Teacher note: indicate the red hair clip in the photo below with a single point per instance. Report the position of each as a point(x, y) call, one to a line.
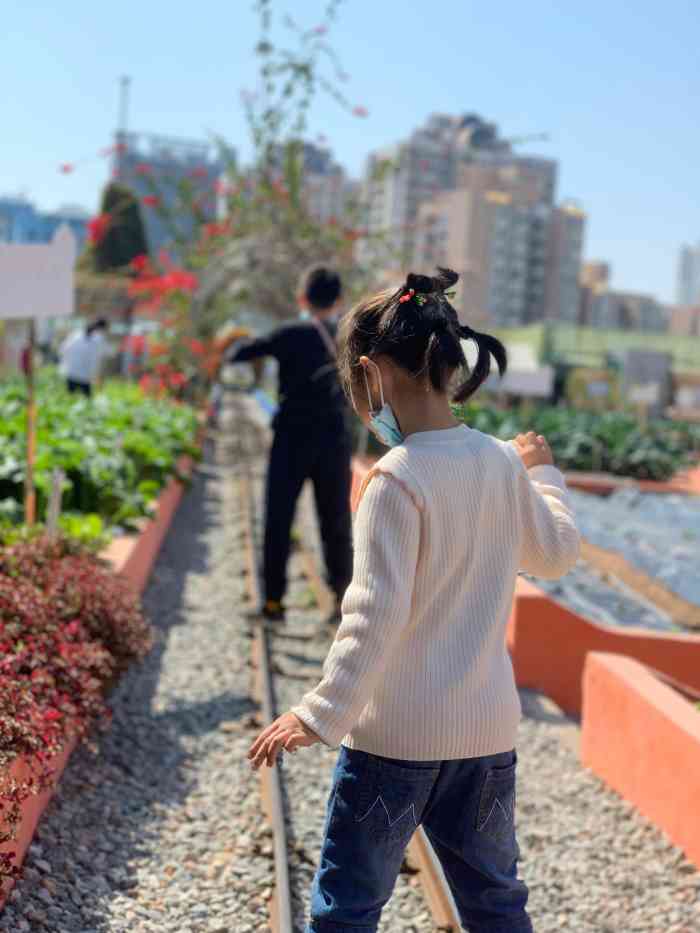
point(407, 297)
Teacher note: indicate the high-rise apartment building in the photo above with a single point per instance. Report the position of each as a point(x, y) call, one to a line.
point(399, 178)
point(515, 251)
point(150, 164)
point(688, 285)
point(327, 189)
point(594, 280)
point(563, 262)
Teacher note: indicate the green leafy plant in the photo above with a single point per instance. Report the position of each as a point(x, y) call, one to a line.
point(611, 442)
point(116, 451)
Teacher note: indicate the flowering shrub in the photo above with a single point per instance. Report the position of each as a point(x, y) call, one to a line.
point(68, 626)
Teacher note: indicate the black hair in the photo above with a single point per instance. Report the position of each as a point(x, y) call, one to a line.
point(93, 326)
point(417, 327)
point(321, 286)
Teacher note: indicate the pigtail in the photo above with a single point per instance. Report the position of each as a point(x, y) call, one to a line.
point(487, 347)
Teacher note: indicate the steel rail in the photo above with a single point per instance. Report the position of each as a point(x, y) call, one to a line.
point(281, 918)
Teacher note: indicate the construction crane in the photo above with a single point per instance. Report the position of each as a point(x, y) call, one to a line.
point(532, 138)
point(478, 137)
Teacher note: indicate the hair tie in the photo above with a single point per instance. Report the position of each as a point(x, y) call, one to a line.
point(407, 297)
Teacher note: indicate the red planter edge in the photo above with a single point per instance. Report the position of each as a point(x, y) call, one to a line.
point(643, 739)
point(133, 557)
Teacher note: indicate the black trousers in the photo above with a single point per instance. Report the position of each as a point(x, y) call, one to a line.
point(82, 388)
point(320, 452)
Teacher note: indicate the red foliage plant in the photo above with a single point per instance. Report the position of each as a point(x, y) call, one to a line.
point(68, 627)
point(97, 228)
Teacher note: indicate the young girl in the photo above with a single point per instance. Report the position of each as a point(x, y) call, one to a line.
point(418, 687)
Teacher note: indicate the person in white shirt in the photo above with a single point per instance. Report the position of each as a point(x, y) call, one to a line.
point(418, 688)
point(82, 354)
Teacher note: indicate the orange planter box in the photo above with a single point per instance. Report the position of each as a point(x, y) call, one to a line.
point(643, 739)
point(133, 557)
point(603, 484)
point(32, 808)
point(549, 643)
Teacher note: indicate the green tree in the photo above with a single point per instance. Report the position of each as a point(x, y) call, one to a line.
point(125, 237)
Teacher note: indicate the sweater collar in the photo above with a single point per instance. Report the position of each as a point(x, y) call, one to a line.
point(437, 437)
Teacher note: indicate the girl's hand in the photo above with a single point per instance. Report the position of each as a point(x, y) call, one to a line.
point(533, 450)
point(287, 732)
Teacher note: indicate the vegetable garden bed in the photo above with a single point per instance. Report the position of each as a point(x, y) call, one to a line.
point(590, 442)
point(116, 451)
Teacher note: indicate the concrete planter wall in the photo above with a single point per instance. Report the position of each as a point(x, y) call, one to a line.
point(549, 644)
point(133, 557)
point(643, 739)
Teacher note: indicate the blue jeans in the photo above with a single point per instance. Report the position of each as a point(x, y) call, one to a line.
point(467, 808)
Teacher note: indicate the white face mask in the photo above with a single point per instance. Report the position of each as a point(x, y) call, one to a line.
point(383, 422)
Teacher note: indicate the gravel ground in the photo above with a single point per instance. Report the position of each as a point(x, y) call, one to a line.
point(162, 831)
point(659, 534)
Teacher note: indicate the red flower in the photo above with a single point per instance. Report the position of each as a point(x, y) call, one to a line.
point(196, 346)
point(199, 172)
point(97, 228)
point(360, 112)
point(134, 343)
point(177, 380)
point(139, 263)
point(66, 168)
point(142, 168)
point(73, 627)
point(52, 715)
point(213, 229)
point(151, 200)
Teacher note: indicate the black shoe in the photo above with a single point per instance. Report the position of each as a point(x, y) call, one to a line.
point(334, 618)
point(273, 611)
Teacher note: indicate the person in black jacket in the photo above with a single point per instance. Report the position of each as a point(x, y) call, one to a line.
point(311, 439)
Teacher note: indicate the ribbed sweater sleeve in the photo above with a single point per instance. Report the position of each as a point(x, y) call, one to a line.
point(376, 609)
point(550, 543)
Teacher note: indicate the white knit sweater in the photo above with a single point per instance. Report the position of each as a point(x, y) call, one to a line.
point(419, 669)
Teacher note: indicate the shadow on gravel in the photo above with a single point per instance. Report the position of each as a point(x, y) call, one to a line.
point(109, 807)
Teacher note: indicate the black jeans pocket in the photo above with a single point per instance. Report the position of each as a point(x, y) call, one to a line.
point(391, 801)
point(496, 814)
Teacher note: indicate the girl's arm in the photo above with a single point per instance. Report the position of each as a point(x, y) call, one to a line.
point(376, 609)
point(550, 542)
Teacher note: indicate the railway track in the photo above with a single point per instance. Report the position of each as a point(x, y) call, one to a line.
point(421, 857)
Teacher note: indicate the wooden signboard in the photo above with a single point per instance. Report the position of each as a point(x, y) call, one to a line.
point(36, 281)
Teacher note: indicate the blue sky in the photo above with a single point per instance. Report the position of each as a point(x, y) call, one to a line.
point(615, 85)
